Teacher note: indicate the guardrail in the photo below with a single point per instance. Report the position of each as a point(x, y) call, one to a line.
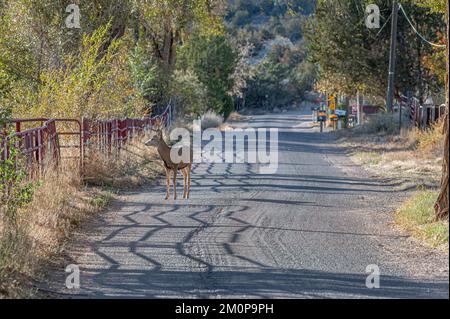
point(41, 146)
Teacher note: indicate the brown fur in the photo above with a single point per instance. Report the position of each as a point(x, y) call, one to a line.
point(169, 166)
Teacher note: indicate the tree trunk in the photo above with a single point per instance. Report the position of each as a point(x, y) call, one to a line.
point(441, 206)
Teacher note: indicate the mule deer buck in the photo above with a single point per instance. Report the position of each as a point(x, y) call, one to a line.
point(157, 140)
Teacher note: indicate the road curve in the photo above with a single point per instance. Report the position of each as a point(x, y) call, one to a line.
point(308, 231)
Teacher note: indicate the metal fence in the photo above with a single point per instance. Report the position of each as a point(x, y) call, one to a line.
point(422, 116)
point(43, 146)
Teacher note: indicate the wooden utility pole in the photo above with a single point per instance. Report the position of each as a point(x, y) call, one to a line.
point(392, 57)
point(358, 106)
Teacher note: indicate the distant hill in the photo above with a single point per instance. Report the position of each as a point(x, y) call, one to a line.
point(265, 23)
point(242, 11)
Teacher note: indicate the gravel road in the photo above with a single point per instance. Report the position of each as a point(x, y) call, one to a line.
point(308, 231)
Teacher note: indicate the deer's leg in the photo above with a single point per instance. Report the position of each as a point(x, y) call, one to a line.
point(175, 171)
point(184, 172)
point(167, 183)
point(188, 171)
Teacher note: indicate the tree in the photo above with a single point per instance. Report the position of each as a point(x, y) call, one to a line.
point(356, 56)
point(166, 24)
point(213, 60)
point(442, 203)
point(441, 206)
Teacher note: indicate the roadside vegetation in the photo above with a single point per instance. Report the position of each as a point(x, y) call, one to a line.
point(416, 215)
point(38, 217)
point(414, 160)
point(414, 156)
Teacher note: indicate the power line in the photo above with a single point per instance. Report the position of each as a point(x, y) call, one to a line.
point(385, 24)
point(418, 33)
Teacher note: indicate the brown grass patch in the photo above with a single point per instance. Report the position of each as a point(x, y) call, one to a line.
point(135, 166)
point(414, 156)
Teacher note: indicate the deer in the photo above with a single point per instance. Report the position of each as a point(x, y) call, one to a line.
point(157, 140)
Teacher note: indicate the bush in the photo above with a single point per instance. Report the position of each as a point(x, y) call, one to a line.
point(431, 140)
point(211, 120)
point(385, 123)
point(148, 77)
point(15, 193)
point(417, 216)
point(192, 94)
point(213, 60)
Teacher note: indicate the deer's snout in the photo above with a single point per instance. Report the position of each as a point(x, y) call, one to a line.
point(150, 142)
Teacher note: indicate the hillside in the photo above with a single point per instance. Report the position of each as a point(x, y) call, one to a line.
point(278, 70)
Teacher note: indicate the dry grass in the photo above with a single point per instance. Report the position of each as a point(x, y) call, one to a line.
point(136, 165)
point(211, 120)
point(414, 156)
point(61, 203)
point(235, 117)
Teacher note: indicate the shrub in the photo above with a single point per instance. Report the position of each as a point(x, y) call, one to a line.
point(211, 120)
point(190, 93)
point(417, 216)
point(381, 123)
point(431, 140)
point(213, 60)
point(15, 192)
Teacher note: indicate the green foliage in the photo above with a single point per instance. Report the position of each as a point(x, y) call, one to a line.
point(190, 93)
point(213, 60)
point(15, 192)
point(91, 84)
point(352, 57)
point(304, 76)
point(5, 114)
point(418, 217)
point(437, 6)
point(148, 77)
point(281, 79)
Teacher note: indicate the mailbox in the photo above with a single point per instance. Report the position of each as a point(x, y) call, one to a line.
point(341, 113)
point(322, 116)
point(334, 117)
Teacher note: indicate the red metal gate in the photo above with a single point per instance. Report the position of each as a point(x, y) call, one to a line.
point(41, 146)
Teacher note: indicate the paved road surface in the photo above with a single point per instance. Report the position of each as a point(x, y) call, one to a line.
point(308, 231)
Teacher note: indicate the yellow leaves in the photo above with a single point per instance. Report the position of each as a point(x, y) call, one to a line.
point(433, 5)
point(94, 83)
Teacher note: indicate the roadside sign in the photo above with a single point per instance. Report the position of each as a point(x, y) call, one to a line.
point(332, 103)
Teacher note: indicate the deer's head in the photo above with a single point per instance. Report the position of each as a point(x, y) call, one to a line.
point(156, 137)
